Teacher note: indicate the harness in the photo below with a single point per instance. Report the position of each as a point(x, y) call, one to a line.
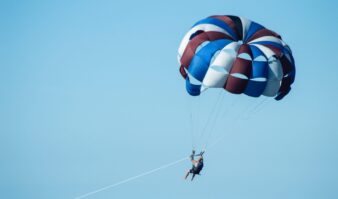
point(197, 169)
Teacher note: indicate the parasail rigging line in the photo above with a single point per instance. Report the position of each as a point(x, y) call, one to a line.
point(248, 111)
point(213, 124)
point(210, 117)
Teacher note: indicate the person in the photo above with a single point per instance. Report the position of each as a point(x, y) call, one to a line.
point(197, 165)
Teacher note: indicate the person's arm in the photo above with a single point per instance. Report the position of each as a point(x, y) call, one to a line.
point(192, 155)
point(200, 154)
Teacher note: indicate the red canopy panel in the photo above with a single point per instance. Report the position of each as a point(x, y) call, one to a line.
point(235, 85)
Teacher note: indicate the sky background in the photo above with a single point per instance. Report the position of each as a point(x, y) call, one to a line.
point(90, 94)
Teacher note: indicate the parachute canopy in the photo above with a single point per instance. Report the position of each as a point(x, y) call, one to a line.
point(238, 55)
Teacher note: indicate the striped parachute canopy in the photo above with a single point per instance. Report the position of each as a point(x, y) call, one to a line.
point(238, 55)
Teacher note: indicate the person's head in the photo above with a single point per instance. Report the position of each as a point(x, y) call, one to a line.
point(200, 159)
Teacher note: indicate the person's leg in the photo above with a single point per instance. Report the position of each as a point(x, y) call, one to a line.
point(193, 175)
point(186, 175)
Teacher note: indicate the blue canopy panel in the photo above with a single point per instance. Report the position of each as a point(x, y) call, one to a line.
point(192, 89)
point(254, 27)
point(218, 23)
point(255, 88)
point(200, 63)
point(256, 52)
point(260, 69)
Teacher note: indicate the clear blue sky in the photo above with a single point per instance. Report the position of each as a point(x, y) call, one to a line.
point(90, 94)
